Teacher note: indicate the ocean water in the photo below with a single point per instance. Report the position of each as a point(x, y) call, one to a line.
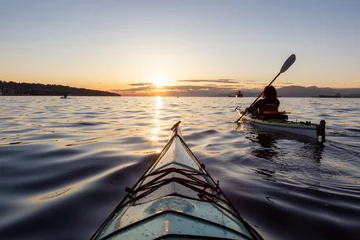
point(64, 163)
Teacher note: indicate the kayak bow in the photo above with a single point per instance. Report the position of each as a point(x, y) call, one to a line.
point(300, 128)
point(176, 198)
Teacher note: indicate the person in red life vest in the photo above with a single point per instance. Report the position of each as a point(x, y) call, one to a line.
point(268, 107)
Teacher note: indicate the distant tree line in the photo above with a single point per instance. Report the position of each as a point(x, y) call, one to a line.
point(13, 88)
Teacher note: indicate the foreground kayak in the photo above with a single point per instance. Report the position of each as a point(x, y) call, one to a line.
point(175, 199)
point(300, 128)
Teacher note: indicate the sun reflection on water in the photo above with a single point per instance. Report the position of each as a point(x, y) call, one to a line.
point(158, 102)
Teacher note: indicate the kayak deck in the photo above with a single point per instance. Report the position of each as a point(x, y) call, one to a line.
point(175, 199)
point(300, 128)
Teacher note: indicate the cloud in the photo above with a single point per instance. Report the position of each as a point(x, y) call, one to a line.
point(227, 83)
point(208, 81)
point(193, 87)
point(140, 84)
point(178, 90)
point(250, 81)
point(137, 87)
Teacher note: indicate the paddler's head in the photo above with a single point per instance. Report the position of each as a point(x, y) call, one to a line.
point(269, 93)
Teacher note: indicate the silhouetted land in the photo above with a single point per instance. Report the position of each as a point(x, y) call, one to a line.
point(299, 91)
point(13, 88)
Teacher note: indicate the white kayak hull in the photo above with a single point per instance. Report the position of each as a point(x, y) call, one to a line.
point(307, 129)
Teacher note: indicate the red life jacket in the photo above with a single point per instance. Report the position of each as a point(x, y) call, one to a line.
point(270, 109)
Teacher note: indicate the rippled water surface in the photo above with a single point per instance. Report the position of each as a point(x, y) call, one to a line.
point(65, 162)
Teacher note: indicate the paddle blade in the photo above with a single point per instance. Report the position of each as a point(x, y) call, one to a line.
point(288, 63)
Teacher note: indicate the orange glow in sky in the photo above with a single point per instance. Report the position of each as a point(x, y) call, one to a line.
point(120, 45)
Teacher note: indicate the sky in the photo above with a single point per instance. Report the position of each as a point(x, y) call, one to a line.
point(133, 46)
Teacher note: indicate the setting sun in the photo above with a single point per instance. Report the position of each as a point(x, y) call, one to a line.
point(160, 81)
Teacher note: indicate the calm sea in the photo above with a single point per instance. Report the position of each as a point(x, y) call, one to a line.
point(64, 163)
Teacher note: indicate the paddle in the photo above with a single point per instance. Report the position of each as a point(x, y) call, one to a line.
point(284, 67)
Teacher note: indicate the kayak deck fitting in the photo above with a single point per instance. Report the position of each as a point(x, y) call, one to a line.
point(176, 198)
point(300, 128)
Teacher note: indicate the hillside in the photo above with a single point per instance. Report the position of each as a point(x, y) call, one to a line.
point(299, 91)
point(13, 88)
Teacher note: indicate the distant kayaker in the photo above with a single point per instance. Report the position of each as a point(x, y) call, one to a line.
point(268, 107)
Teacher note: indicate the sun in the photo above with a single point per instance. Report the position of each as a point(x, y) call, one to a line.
point(159, 82)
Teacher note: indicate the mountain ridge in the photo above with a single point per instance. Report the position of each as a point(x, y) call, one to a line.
point(312, 91)
point(38, 89)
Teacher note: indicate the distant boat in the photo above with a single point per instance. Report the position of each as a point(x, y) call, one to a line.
point(239, 94)
point(64, 97)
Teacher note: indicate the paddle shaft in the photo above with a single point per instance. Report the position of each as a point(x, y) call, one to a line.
point(258, 97)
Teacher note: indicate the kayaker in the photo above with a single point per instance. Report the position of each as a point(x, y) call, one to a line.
point(268, 107)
